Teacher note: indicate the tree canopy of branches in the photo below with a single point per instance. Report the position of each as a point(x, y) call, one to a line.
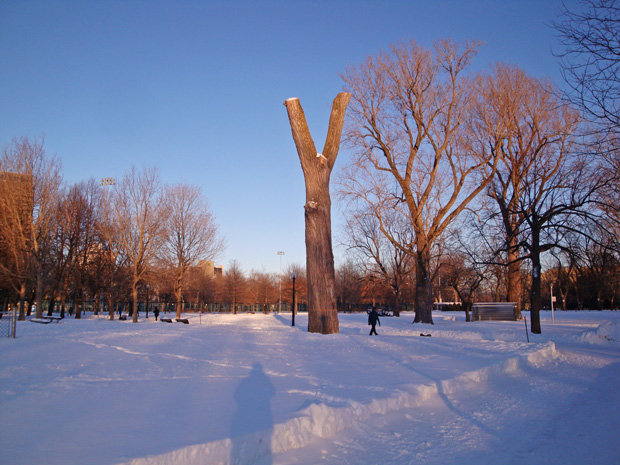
point(590, 60)
point(407, 126)
point(31, 231)
point(533, 133)
point(190, 233)
point(139, 220)
point(378, 256)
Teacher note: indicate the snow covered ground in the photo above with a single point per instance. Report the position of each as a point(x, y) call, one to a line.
point(251, 389)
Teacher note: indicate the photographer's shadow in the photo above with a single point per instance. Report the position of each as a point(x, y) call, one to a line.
point(252, 425)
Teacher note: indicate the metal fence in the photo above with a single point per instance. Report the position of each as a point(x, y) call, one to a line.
point(8, 323)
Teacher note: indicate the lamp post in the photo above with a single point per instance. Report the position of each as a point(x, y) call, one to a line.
point(293, 309)
point(280, 253)
point(147, 302)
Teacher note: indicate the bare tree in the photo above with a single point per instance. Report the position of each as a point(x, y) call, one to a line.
point(349, 279)
point(464, 276)
point(263, 289)
point(16, 205)
point(407, 127)
point(235, 285)
point(138, 218)
point(75, 242)
point(111, 263)
point(317, 168)
point(539, 181)
point(190, 233)
point(590, 60)
point(28, 158)
point(379, 256)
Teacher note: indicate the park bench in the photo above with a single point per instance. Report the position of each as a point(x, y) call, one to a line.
point(165, 320)
point(496, 311)
point(46, 319)
point(185, 321)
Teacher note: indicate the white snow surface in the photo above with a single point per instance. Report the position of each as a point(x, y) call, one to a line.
point(250, 389)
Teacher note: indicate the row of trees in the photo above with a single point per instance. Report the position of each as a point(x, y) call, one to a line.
point(484, 177)
point(481, 180)
point(95, 239)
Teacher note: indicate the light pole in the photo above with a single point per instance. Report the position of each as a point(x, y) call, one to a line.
point(280, 253)
point(293, 309)
point(147, 302)
point(108, 181)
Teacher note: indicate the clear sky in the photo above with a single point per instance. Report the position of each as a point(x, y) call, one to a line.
point(196, 88)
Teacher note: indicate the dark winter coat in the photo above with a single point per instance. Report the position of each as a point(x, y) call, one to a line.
point(373, 318)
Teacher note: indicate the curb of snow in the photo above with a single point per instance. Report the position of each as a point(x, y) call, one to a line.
point(322, 421)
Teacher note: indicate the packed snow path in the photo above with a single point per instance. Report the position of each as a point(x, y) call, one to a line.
point(250, 389)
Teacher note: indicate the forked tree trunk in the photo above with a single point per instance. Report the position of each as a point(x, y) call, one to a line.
point(317, 168)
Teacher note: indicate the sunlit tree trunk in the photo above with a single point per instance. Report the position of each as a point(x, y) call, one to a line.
point(317, 167)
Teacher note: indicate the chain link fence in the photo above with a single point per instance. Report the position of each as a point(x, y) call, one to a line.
point(8, 323)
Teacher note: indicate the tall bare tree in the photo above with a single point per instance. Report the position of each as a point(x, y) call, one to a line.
point(380, 257)
point(590, 58)
point(28, 158)
point(407, 128)
point(111, 263)
point(190, 233)
point(138, 217)
point(317, 168)
point(16, 205)
point(263, 289)
point(538, 182)
point(235, 285)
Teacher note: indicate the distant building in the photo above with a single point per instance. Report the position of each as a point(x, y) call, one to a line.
point(16, 204)
point(210, 269)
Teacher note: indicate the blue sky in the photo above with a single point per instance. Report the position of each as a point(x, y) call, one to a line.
point(196, 88)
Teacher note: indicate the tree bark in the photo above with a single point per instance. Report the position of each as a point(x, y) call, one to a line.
point(423, 290)
point(178, 291)
point(513, 282)
point(317, 167)
point(134, 300)
point(536, 301)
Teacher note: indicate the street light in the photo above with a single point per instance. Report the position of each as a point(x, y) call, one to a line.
point(280, 253)
point(293, 309)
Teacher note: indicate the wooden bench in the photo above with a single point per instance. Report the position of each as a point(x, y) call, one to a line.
point(185, 321)
point(495, 311)
point(165, 320)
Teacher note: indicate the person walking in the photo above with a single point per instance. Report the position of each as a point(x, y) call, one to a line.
point(373, 320)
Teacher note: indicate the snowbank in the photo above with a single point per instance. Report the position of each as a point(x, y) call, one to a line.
point(607, 331)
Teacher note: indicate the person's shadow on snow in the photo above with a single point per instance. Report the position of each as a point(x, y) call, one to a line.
point(252, 424)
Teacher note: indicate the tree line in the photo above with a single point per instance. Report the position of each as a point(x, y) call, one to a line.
point(488, 185)
point(98, 241)
point(486, 179)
